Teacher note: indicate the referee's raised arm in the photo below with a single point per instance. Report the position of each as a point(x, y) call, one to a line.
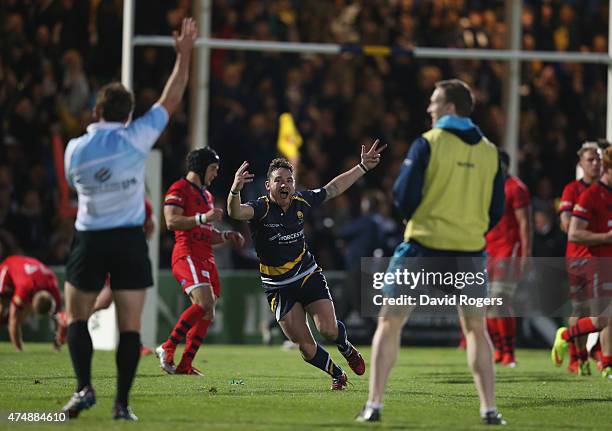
point(183, 45)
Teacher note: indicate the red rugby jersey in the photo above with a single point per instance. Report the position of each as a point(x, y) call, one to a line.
point(24, 276)
point(569, 198)
point(195, 242)
point(504, 239)
point(595, 206)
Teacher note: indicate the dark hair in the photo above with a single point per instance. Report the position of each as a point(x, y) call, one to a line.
point(459, 94)
point(504, 158)
point(199, 159)
point(279, 163)
point(114, 102)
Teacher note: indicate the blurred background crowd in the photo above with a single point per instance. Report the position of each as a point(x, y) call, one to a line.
point(55, 54)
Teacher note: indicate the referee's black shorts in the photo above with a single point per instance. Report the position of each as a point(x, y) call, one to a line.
point(123, 253)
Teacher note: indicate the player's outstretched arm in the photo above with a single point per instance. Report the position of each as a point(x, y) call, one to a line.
point(183, 45)
point(175, 220)
point(342, 182)
point(235, 208)
point(579, 234)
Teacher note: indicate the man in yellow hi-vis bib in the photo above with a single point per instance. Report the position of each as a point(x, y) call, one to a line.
point(450, 189)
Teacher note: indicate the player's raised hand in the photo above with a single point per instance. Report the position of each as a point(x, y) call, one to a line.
point(242, 177)
point(185, 39)
point(371, 158)
point(214, 214)
point(235, 237)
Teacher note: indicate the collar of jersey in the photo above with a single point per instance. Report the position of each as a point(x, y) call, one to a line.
point(455, 122)
point(605, 185)
point(104, 125)
point(200, 189)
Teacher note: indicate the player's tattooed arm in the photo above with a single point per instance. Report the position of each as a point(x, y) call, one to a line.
point(369, 160)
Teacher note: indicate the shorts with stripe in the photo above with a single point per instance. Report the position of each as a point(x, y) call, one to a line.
point(192, 273)
point(309, 289)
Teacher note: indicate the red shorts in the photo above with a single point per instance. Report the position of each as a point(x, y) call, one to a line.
point(505, 265)
point(507, 269)
point(589, 278)
point(192, 273)
point(578, 276)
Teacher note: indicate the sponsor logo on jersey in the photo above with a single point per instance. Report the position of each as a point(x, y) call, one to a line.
point(103, 174)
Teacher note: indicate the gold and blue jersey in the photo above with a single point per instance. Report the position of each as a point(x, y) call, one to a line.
point(279, 238)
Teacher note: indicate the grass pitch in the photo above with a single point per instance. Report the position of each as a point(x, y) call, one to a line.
point(265, 388)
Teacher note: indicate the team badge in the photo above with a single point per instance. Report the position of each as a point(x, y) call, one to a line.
point(300, 215)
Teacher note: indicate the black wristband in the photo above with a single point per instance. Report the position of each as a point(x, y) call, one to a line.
point(363, 168)
point(233, 193)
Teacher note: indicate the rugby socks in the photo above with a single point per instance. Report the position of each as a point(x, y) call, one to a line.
point(342, 340)
point(81, 352)
point(323, 361)
point(493, 329)
point(195, 338)
point(507, 331)
point(127, 357)
point(583, 327)
point(188, 319)
point(573, 351)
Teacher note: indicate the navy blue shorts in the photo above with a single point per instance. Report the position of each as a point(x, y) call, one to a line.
point(305, 291)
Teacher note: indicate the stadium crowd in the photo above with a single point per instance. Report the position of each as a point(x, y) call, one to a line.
point(55, 54)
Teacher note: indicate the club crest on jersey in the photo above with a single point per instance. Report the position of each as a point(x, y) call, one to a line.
point(300, 215)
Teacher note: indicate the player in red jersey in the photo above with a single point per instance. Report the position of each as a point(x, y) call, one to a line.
point(28, 286)
point(508, 240)
point(591, 225)
point(189, 210)
point(590, 163)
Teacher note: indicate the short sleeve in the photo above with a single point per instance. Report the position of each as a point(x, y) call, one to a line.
point(143, 132)
point(567, 199)
point(175, 196)
point(314, 197)
point(520, 197)
point(20, 297)
point(260, 208)
point(584, 207)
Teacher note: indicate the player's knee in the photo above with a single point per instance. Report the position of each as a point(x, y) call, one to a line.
point(329, 330)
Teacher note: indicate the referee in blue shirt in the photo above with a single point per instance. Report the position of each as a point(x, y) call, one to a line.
point(106, 166)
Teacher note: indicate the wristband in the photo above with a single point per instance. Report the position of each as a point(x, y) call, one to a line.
point(363, 168)
point(233, 193)
point(200, 219)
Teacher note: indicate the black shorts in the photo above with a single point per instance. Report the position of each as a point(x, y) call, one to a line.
point(305, 291)
point(123, 253)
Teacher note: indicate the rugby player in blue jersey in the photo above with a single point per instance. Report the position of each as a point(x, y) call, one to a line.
point(293, 281)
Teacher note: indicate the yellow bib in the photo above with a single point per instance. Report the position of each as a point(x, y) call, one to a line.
point(457, 190)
